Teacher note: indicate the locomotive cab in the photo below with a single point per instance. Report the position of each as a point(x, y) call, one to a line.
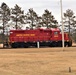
point(56, 37)
point(67, 39)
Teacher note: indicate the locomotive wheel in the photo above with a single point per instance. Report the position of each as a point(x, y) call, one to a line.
point(14, 45)
point(26, 45)
point(69, 44)
point(59, 44)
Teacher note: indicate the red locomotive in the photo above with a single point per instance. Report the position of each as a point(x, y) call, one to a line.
point(46, 37)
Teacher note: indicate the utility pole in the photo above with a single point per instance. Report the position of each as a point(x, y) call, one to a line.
point(62, 24)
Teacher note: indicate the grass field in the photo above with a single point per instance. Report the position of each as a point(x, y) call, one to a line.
point(34, 61)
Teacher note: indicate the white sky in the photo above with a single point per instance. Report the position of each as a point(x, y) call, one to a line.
point(40, 5)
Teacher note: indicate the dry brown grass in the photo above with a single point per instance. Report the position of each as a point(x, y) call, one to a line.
point(42, 61)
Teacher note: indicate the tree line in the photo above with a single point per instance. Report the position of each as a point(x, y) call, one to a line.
point(17, 15)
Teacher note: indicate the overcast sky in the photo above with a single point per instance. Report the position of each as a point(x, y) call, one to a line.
point(40, 5)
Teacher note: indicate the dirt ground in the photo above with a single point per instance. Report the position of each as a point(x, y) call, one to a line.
point(38, 61)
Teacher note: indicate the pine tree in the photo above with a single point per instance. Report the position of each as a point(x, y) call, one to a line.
point(5, 17)
point(49, 20)
point(32, 18)
point(18, 16)
point(69, 20)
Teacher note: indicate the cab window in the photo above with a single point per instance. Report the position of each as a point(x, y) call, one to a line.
point(55, 33)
